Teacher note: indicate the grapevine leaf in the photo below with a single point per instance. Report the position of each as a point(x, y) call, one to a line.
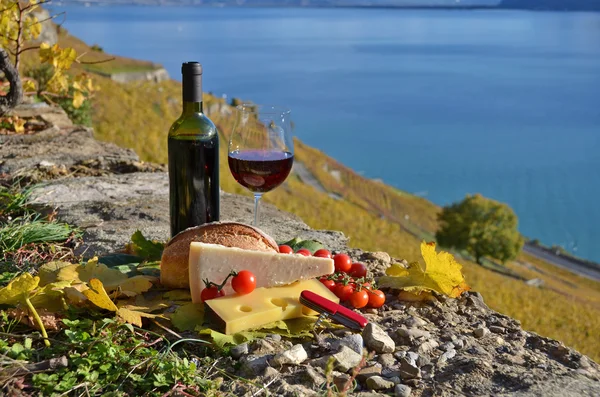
point(442, 273)
point(29, 86)
point(98, 296)
point(133, 316)
point(150, 250)
point(114, 260)
point(78, 99)
point(18, 289)
point(188, 317)
point(297, 243)
point(48, 272)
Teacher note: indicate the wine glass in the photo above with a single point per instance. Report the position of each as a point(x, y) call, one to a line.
point(261, 149)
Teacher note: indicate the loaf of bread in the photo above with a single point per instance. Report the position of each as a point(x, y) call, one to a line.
point(174, 264)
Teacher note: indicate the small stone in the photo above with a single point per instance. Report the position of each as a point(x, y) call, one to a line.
point(497, 329)
point(239, 351)
point(378, 256)
point(312, 378)
point(296, 355)
point(428, 346)
point(262, 346)
point(347, 359)
point(475, 299)
point(270, 373)
point(409, 370)
point(353, 341)
point(371, 310)
point(481, 332)
point(400, 354)
point(447, 346)
point(414, 322)
point(446, 356)
point(254, 365)
point(395, 379)
point(402, 391)
point(459, 344)
point(412, 357)
point(386, 360)
point(423, 361)
point(340, 381)
point(379, 383)
point(584, 362)
point(46, 164)
point(377, 339)
point(274, 337)
point(413, 333)
point(368, 372)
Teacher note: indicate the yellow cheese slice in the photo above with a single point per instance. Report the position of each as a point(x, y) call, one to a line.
point(265, 305)
point(214, 262)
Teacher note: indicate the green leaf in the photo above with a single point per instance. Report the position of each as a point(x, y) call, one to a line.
point(188, 317)
point(297, 243)
point(150, 250)
point(115, 260)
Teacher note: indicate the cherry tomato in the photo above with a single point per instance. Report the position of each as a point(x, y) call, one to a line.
point(244, 282)
point(376, 298)
point(366, 286)
point(359, 299)
point(330, 284)
point(304, 251)
point(322, 253)
point(358, 270)
point(211, 293)
point(285, 249)
point(343, 291)
point(342, 262)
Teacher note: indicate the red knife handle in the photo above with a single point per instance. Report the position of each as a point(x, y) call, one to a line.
point(335, 311)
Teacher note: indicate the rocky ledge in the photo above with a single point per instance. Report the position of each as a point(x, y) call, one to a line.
point(439, 347)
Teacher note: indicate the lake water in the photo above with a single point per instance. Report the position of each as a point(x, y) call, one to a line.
point(436, 102)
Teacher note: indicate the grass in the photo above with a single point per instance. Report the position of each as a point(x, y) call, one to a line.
point(375, 216)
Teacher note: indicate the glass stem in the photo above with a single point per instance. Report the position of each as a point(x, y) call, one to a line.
point(257, 197)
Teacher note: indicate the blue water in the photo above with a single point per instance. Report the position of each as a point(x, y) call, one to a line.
point(436, 102)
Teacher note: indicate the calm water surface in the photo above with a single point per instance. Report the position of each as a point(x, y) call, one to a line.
point(438, 103)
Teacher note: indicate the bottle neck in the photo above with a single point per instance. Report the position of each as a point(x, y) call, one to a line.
point(192, 107)
point(192, 93)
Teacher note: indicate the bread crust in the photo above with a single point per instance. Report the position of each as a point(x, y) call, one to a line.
point(174, 264)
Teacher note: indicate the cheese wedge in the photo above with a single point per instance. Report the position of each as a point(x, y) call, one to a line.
point(264, 305)
point(214, 262)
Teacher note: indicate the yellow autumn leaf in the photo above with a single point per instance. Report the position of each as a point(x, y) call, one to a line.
point(78, 99)
point(134, 317)
point(131, 286)
point(442, 273)
point(98, 296)
point(92, 269)
point(48, 272)
point(18, 289)
point(18, 124)
point(397, 270)
point(29, 86)
point(178, 295)
point(188, 317)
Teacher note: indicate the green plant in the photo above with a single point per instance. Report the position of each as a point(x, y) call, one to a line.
point(481, 226)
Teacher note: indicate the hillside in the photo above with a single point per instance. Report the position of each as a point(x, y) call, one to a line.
point(375, 216)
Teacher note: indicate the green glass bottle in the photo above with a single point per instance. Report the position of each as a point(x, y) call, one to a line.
point(193, 159)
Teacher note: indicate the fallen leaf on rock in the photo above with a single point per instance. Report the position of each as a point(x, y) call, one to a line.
point(98, 296)
point(420, 296)
point(188, 317)
point(442, 273)
point(141, 246)
point(48, 272)
point(131, 286)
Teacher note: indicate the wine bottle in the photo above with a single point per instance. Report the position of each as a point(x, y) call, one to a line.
point(193, 158)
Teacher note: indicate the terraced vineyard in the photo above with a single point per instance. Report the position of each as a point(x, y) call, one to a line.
point(375, 216)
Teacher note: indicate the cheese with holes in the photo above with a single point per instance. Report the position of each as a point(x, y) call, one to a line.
point(214, 262)
point(264, 305)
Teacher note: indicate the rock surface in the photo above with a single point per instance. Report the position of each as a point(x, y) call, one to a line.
point(441, 347)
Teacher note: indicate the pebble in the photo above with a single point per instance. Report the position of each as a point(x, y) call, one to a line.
point(414, 322)
point(400, 354)
point(239, 350)
point(428, 346)
point(378, 256)
point(347, 359)
point(377, 339)
point(446, 356)
point(312, 377)
point(254, 365)
point(353, 341)
point(386, 360)
point(270, 373)
point(274, 337)
point(413, 333)
point(447, 346)
point(409, 370)
point(497, 329)
point(378, 383)
point(340, 381)
point(412, 357)
point(368, 372)
point(296, 355)
point(481, 332)
point(402, 391)
point(459, 344)
point(423, 360)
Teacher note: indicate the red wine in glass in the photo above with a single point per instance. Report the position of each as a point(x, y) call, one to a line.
point(260, 170)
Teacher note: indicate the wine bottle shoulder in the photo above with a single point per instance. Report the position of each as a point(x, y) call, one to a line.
point(196, 124)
